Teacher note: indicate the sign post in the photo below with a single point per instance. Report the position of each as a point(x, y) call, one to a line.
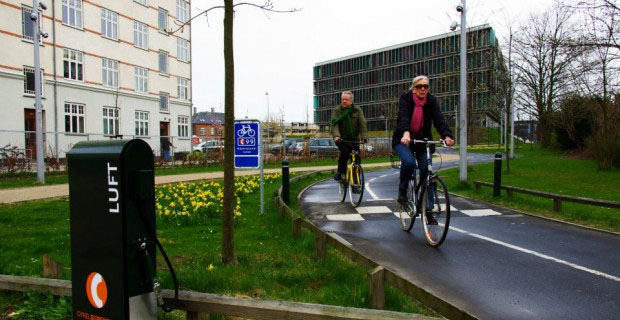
point(249, 151)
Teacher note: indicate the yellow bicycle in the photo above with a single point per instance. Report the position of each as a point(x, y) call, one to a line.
point(354, 180)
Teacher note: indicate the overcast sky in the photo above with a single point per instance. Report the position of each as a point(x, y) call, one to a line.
point(276, 52)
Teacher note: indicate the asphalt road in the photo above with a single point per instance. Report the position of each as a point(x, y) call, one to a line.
point(495, 263)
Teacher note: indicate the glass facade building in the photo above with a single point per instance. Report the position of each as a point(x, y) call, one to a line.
point(379, 77)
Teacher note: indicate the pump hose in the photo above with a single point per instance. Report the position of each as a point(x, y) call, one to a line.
point(151, 230)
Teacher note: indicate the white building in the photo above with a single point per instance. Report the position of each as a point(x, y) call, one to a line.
point(110, 68)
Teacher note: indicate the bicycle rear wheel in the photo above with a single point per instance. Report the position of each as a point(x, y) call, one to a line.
point(342, 187)
point(356, 185)
point(435, 212)
point(408, 212)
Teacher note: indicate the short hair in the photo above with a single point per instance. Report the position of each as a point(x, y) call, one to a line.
point(349, 93)
point(418, 79)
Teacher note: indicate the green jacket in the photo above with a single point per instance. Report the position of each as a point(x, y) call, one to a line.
point(358, 124)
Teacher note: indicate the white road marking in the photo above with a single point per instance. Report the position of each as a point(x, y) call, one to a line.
point(372, 194)
point(537, 254)
point(481, 212)
point(374, 209)
point(344, 217)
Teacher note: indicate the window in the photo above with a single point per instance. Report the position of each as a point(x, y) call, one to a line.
point(142, 123)
point(220, 131)
point(182, 49)
point(140, 35)
point(142, 2)
point(27, 24)
point(163, 101)
point(72, 13)
point(73, 62)
point(110, 121)
point(182, 14)
point(202, 131)
point(163, 61)
point(182, 88)
point(183, 126)
point(110, 73)
point(29, 81)
point(74, 118)
point(142, 79)
point(162, 20)
point(212, 131)
point(109, 24)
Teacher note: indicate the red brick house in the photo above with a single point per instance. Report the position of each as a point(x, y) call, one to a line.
point(208, 125)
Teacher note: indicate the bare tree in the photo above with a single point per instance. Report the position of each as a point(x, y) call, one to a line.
point(228, 240)
point(543, 65)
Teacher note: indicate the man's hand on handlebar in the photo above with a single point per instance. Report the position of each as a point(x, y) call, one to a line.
point(336, 139)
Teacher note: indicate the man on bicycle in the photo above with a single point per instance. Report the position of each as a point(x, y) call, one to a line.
point(418, 110)
point(348, 124)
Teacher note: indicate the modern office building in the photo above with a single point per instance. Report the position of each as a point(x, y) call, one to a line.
point(379, 77)
point(111, 69)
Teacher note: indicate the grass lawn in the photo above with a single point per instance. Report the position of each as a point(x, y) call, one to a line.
point(272, 264)
point(547, 170)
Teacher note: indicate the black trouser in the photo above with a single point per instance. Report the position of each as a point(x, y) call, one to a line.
point(345, 152)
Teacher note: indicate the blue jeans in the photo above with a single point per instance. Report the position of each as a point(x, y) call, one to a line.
point(167, 155)
point(408, 165)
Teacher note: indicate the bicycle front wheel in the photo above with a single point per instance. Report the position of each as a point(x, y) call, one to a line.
point(435, 212)
point(356, 185)
point(408, 212)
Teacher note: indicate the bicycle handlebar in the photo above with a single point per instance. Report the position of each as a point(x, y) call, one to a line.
point(440, 141)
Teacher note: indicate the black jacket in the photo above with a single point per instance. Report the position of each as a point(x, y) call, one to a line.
point(431, 112)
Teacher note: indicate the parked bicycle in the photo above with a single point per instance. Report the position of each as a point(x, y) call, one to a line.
point(354, 179)
point(431, 191)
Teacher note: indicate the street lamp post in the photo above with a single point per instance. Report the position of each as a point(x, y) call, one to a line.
point(463, 94)
point(36, 32)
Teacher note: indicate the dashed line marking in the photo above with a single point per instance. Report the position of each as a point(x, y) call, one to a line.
point(480, 212)
point(373, 209)
point(345, 217)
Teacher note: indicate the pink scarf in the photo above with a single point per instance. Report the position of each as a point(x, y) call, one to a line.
point(418, 118)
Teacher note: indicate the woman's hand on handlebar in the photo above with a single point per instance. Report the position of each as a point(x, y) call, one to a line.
point(448, 141)
point(406, 139)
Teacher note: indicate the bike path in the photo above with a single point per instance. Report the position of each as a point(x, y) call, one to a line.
point(495, 263)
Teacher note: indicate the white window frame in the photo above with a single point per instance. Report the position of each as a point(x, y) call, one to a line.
point(164, 102)
point(31, 92)
point(142, 79)
point(182, 11)
point(212, 131)
point(109, 24)
point(109, 72)
point(142, 2)
point(164, 27)
point(25, 27)
point(140, 35)
point(182, 50)
point(111, 121)
point(203, 131)
point(163, 68)
point(183, 127)
point(74, 114)
point(73, 59)
point(73, 10)
point(141, 123)
point(182, 88)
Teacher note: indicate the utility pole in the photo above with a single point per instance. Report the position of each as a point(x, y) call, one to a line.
point(463, 94)
point(512, 104)
point(36, 32)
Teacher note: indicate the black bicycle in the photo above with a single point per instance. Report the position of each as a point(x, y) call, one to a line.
point(431, 191)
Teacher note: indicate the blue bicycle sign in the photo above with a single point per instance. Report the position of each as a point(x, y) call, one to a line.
point(247, 143)
point(246, 131)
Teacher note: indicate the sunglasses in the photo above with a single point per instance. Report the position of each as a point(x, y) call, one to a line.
point(420, 86)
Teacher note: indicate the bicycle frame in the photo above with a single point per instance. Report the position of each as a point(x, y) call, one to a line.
point(429, 174)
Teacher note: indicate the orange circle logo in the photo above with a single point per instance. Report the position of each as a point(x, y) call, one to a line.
point(96, 290)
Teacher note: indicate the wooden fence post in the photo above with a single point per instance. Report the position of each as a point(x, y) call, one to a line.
point(509, 193)
point(191, 315)
point(297, 227)
point(321, 246)
point(557, 204)
point(477, 186)
point(51, 268)
point(376, 287)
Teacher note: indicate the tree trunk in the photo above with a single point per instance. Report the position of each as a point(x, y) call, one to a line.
point(228, 227)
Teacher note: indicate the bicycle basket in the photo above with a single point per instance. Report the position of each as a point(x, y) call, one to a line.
point(394, 160)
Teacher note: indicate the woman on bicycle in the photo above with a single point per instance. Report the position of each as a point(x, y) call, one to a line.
point(418, 110)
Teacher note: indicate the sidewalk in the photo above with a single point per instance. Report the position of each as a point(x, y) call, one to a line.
point(61, 190)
